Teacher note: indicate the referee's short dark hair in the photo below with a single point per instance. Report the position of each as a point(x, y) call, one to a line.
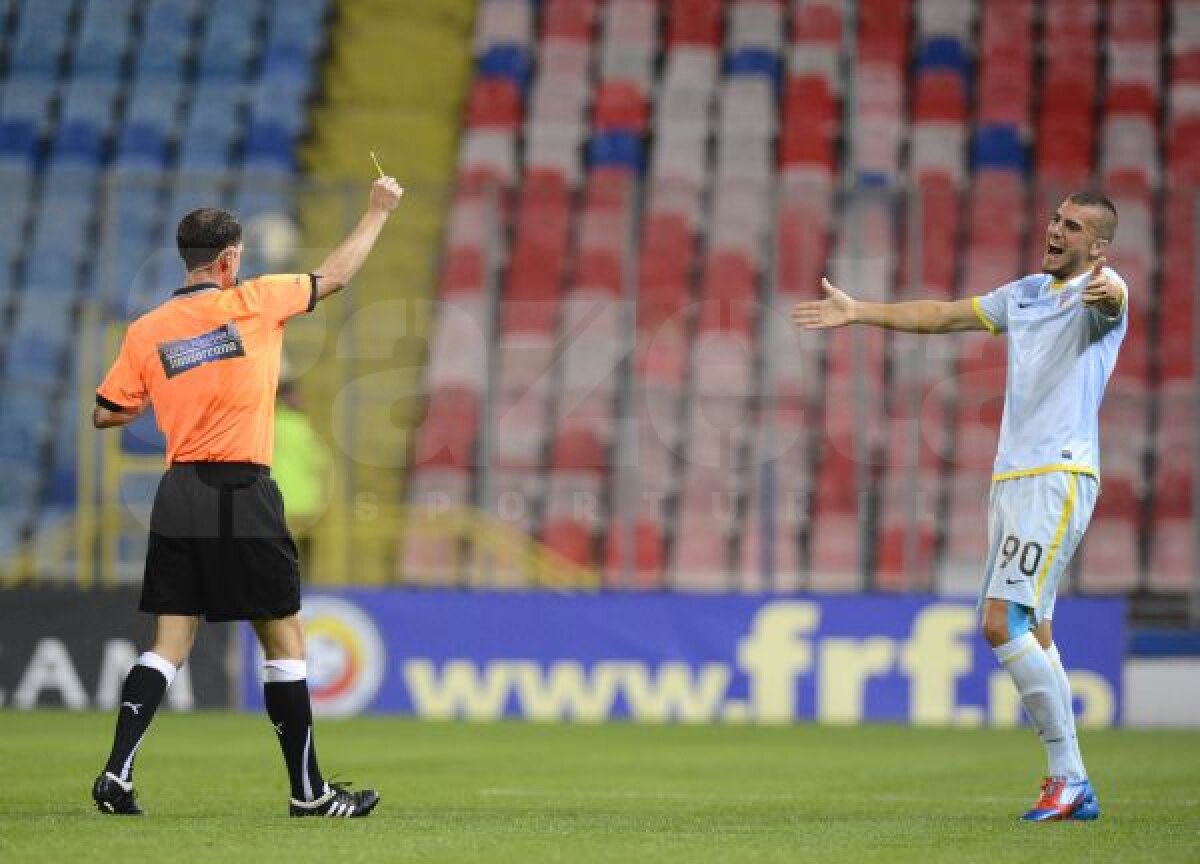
point(204, 234)
point(1106, 225)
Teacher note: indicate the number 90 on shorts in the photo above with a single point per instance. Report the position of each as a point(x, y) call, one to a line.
point(1034, 527)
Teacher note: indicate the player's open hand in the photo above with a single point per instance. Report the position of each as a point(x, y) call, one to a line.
point(385, 194)
point(1102, 291)
point(836, 310)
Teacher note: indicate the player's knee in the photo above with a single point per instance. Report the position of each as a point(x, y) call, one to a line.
point(1004, 622)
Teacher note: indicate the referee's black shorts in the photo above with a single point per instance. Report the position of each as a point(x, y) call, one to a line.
point(219, 545)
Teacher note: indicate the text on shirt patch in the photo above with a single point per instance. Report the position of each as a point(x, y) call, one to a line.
point(183, 354)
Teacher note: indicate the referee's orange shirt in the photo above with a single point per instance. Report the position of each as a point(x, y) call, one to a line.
point(208, 361)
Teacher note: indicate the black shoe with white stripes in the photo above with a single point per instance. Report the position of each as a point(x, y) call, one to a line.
point(338, 802)
point(115, 797)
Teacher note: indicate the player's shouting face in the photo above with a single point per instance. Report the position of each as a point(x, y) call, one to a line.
point(1075, 238)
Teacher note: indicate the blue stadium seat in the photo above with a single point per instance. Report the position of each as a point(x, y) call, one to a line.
point(204, 154)
point(944, 52)
point(106, 15)
point(100, 53)
point(90, 100)
point(142, 145)
point(56, 248)
point(134, 205)
point(155, 103)
point(279, 106)
point(163, 60)
point(616, 148)
point(506, 61)
point(269, 146)
point(28, 99)
point(164, 19)
point(224, 63)
point(70, 184)
point(43, 13)
point(17, 496)
point(255, 198)
point(14, 215)
point(230, 34)
point(64, 479)
point(756, 61)
point(288, 65)
point(79, 141)
point(294, 25)
point(877, 180)
point(299, 14)
point(11, 525)
point(37, 55)
point(999, 147)
point(215, 110)
point(51, 272)
point(40, 332)
point(18, 141)
point(40, 38)
point(24, 421)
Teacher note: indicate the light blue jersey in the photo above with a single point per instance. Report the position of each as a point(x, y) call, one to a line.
point(1061, 354)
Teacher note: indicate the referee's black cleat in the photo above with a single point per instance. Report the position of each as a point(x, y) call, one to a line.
point(115, 797)
point(338, 802)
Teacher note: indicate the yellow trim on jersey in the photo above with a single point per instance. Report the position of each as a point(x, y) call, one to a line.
point(1052, 552)
point(978, 307)
point(1057, 285)
point(1046, 469)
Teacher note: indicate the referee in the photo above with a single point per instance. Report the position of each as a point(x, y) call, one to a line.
point(208, 361)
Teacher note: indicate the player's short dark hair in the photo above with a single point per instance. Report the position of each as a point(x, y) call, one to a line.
point(1106, 225)
point(204, 234)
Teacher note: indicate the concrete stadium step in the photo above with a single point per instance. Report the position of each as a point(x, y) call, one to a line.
point(395, 82)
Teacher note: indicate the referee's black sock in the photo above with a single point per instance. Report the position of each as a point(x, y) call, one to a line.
point(144, 687)
point(286, 696)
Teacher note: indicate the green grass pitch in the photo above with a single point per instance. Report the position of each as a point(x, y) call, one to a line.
point(214, 790)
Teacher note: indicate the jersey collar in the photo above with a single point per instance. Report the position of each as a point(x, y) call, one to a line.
point(199, 287)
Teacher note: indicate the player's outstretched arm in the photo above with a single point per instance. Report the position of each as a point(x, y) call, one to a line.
point(916, 316)
point(342, 263)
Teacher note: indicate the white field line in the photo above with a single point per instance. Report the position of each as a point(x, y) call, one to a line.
point(578, 794)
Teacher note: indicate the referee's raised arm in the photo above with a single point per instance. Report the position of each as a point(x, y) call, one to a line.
point(342, 263)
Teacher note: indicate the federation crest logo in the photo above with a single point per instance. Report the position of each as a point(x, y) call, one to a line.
point(346, 656)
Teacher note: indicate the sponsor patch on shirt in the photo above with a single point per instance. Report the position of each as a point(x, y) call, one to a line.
point(183, 354)
point(1066, 454)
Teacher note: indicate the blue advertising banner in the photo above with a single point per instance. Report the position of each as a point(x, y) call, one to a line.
point(683, 658)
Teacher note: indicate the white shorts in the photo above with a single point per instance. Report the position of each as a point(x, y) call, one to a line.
point(1034, 527)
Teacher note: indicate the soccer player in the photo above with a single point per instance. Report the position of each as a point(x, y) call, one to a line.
point(1064, 327)
point(207, 360)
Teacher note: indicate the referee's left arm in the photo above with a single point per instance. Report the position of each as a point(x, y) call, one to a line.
point(122, 396)
point(108, 418)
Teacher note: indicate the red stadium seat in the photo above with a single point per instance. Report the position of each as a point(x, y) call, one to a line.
point(619, 105)
point(462, 272)
point(494, 102)
point(446, 437)
point(568, 20)
point(817, 23)
point(694, 22)
point(940, 96)
point(571, 539)
point(576, 448)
